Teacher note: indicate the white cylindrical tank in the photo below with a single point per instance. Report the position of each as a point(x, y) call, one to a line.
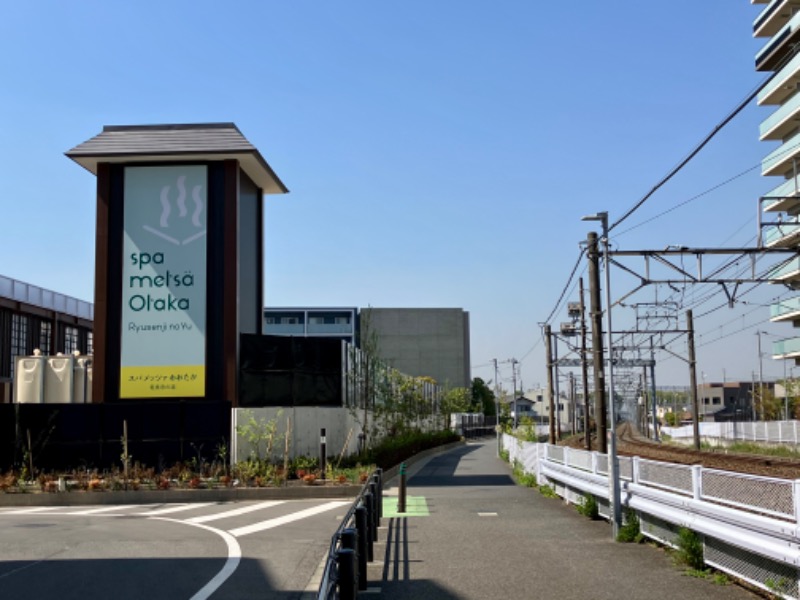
point(29, 380)
point(82, 380)
point(58, 380)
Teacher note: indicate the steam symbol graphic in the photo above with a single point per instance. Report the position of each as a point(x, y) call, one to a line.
point(180, 201)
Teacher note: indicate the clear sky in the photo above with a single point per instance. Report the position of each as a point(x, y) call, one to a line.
point(439, 154)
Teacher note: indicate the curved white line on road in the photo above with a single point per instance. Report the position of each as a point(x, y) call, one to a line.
point(234, 556)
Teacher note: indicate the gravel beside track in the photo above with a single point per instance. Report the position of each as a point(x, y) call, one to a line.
point(631, 443)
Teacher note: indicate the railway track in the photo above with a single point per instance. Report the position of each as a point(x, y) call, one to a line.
point(631, 443)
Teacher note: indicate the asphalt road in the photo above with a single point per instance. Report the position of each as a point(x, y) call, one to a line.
point(258, 549)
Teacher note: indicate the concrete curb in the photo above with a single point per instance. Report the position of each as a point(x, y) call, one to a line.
point(307, 492)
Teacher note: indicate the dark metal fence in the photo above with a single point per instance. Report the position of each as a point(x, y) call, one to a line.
point(476, 425)
point(352, 546)
point(65, 436)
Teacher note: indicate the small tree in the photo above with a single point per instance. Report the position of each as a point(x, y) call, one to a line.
point(672, 419)
point(768, 407)
point(455, 400)
point(483, 399)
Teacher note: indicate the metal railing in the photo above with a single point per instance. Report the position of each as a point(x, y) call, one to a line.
point(352, 546)
point(750, 525)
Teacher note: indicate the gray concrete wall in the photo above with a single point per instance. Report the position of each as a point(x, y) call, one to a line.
point(341, 427)
point(431, 342)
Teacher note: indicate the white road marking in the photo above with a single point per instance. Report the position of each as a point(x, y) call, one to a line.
point(487, 514)
point(235, 512)
point(28, 511)
point(234, 557)
point(173, 509)
point(278, 521)
point(95, 511)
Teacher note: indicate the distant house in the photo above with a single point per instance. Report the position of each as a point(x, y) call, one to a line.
point(727, 401)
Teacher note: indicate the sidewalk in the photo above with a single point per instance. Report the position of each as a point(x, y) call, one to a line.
point(471, 533)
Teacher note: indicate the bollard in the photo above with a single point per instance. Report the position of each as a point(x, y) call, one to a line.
point(348, 539)
point(368, 503)
point(346, 570)
point(401, 494)
point(361, 541)
point(323, 459)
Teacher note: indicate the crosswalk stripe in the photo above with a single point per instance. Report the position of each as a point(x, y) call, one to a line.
point(235, 512)
point(173, 509)
point(103, 509)
point(27, 511)
point(276, 522)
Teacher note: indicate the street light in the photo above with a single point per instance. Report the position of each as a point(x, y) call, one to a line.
point(613, 461)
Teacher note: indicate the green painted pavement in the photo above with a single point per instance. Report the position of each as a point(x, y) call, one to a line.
point(416, 506)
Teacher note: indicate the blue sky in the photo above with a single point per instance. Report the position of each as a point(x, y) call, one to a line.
point(439, 154)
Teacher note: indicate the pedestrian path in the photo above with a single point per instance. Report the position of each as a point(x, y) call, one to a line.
point(483, 536)
point(237, 518)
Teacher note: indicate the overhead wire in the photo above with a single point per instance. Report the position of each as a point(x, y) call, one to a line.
point(694, 151)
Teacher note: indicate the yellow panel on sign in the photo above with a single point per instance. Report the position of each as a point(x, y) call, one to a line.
point(162, 381)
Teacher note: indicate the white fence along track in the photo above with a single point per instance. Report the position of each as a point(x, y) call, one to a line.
point(750, 525)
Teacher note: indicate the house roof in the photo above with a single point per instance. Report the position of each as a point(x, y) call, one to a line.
point(176, 143)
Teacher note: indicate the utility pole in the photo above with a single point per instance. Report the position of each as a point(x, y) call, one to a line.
point(556, 388)
point(587, 433)
point(645, 402)
point(496, 406)
point(760, 379)
point(653, 388)
point(514, 380)
point(693, 380)
point(597, 341)
point(574, 415)
point(549, 359)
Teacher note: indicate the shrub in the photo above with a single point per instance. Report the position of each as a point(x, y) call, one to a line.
point(690, 549)
point(630, 532)
point(588, 507)
point(394, 450)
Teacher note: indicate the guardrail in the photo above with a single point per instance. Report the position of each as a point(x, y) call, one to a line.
point(352, 546)
point(750, 525)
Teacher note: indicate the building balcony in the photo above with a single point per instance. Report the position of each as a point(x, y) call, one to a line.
point(783, 85)
point(780, 123)
point(330, 328)
point(786, 310)
point(788, 348)
point(781, 160)
point(785, 235)
point(787, 272)
point(784, 198)
point(779, 47)
point(773, 17)
point(284, 329)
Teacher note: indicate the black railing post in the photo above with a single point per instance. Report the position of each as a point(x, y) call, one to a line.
point(376, 515)
point(370, 505)
point(362, 533)
point(346, 579)
point(348, 539)
point(376, 478)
